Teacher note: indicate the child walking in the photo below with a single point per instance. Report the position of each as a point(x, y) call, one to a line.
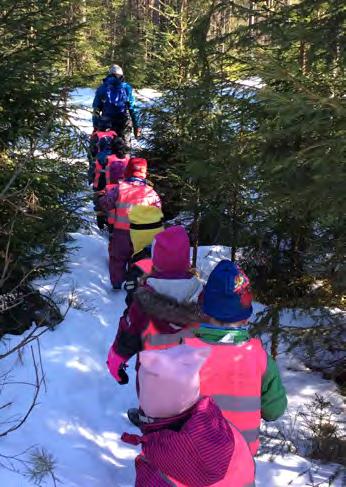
point(239, 374)
point(171, 291)
point(186, 441)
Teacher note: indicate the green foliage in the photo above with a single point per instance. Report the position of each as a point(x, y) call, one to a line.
point(40, 181)
point(41, 467)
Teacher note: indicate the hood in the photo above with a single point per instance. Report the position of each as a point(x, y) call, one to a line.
point(112, 80)
point(179, 289)
point(200, 453)
point(167, 308)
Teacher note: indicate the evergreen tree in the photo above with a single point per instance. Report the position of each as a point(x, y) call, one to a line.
point(38, 181)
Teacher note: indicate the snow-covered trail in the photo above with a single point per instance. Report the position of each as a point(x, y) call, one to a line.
point(82, 413)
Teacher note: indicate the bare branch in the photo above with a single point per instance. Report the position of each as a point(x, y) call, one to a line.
point(38, 381)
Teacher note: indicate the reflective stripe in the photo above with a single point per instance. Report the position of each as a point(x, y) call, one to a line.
point(122, 219)
point(146, 226)
point(124, 205)
point(243, 404)
point(166, 479)
point(250, 435)
point(167, 338)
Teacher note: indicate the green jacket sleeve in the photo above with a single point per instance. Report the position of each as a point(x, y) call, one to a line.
point(273, 395)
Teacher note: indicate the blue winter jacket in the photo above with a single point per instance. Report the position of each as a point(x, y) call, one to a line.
point(101, 94)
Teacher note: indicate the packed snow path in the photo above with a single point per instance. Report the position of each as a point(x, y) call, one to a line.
point(82, 413)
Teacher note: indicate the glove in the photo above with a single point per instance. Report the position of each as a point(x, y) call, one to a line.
point(138, 132)
point(116, 366)
point(123, 375)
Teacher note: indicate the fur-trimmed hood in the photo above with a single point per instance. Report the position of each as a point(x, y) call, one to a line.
point(167, 308)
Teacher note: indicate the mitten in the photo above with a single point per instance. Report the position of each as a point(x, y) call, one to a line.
point(116, 366)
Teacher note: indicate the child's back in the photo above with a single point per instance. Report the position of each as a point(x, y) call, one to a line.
point(187, 442)
point(232, 376)
point(170, 286)
point(239, 375)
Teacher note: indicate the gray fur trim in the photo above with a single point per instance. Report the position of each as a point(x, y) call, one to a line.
point(165, 308)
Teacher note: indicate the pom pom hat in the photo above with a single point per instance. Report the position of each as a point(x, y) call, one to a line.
point(227, 295)
point(169, 380)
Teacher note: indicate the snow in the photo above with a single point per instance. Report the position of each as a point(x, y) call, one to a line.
point(81, 412)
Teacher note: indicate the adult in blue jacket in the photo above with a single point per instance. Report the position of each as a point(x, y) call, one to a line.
point(114, 99)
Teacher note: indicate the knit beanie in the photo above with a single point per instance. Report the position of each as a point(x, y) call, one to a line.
point(137, 168)
point(171, 251)
point(227, 295)
point(169, 382)
point(145, 223)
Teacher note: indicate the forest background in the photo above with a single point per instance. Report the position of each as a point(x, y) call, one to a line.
point(259, 168)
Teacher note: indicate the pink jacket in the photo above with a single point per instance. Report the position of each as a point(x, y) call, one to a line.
point(199, 450)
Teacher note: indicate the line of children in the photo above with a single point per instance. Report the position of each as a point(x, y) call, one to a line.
point(171, 309)
point(203, 383)
point(109, 169)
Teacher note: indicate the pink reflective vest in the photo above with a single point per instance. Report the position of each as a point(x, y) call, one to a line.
point(152, 339)
point(232, 376)
point(131, 194)
point(121, 165)
point(240, 472)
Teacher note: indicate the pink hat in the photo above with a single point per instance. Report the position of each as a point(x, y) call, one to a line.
point(169, 380)
point(137, 167)
point(171, 251)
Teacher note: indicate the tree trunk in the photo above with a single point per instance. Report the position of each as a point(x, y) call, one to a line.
point(195, 230)
point(275, 326)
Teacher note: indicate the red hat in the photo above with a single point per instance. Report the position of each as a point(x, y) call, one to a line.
point(137, 168)
point(171, 251)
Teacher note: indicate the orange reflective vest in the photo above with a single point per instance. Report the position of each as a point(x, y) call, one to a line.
point(133, 193)
point(240, 472)
point(111, 159)
point(232, 376)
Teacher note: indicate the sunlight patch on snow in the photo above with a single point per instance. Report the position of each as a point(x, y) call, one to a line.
point(107, 440)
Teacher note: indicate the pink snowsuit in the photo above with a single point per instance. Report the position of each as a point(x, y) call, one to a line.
point(196, 449)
